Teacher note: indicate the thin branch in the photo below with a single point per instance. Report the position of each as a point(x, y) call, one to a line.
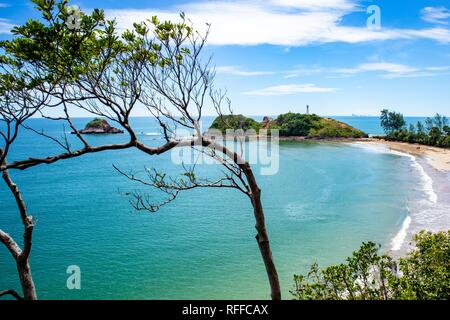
point(12, 293)
point(10, 244)
point(27, 220)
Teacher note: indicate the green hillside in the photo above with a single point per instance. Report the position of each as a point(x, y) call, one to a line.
point(291, 125)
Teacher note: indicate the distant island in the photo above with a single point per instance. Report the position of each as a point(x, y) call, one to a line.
point(291, 125)
point(99, 126)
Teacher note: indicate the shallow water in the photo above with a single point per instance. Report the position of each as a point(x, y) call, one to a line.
point(325, 200)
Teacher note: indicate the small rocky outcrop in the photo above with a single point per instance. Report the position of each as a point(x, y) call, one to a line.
point(99, 126)
point(267, 122)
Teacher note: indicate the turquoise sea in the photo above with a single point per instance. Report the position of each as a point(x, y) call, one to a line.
point(326, 199)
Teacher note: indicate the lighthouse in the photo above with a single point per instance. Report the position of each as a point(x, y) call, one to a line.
point(307, 109)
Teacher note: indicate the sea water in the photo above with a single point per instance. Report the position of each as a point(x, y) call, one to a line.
point(325, 200)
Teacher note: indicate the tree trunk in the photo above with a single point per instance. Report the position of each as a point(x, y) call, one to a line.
point(262, 237)
point(22, 257)
point(26, 280)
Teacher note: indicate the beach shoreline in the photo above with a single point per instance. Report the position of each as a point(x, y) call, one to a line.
point(432, 165)
point(438, 158)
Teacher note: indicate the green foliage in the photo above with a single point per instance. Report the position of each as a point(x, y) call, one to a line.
point(96, 123)
point(446, 129)
point(313, 126)
point(391, 121)
point(426, 270)
point(62, 54)
point(234, 122)
point(336, 129)
point(53, 47)
point(292, 124)
point(435, 131)
point(295, 124)
point(445, 142)
point(423, 274)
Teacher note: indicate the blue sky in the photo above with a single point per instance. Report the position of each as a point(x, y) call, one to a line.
point(275, 56)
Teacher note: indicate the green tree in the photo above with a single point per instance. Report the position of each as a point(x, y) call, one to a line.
point(434, 136)
point(423, 274)
point(107, 73)
point(446, 129)
point(391, 121)
point(434, 132)
point(429, 124)
point(420, 128)
point(426, 270)
point(440, 121)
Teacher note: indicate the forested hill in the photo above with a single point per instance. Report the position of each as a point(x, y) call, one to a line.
point(291, 125)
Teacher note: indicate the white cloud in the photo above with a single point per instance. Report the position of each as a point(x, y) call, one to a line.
point(304, 70)
point(383, 69)
point(442, 68)
point(393, 70)
point(288, 89)
point(314, 5)
point(379, 66)
point(277, 22)
point(436, 15)
point(233, 70)
point(419, 74)
point(5, 26)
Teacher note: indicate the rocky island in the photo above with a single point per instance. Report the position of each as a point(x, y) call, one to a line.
point(293, 126)
point(99, 126)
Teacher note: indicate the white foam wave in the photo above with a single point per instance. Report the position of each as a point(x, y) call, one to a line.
point(150, 133)
point(427, 187)
point(397, 241)
point(378, 148)
point(427, 182)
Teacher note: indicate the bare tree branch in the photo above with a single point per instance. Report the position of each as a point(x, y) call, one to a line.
point(12, 293)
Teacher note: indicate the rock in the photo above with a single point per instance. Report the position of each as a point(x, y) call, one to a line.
point(99, 126)
point(267, 121)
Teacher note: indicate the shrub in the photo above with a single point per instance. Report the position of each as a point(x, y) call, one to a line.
point(235, 122)
point(445, 142)
point(293, 124)
point(433, 133)
point(424, 274)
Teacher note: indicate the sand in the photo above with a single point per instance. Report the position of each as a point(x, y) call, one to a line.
point(438, 158)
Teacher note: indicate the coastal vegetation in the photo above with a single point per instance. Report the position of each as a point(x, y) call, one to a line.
point(99, 69)
point(423, 274)
point(235, 122)
point(313, 126)
point(434, 131)
point(91, 66)
point(291, 125)
point(98, 126)
point(96, 123)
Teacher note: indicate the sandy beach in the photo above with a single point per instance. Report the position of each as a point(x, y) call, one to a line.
point(432, 213)
point(438, 158)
